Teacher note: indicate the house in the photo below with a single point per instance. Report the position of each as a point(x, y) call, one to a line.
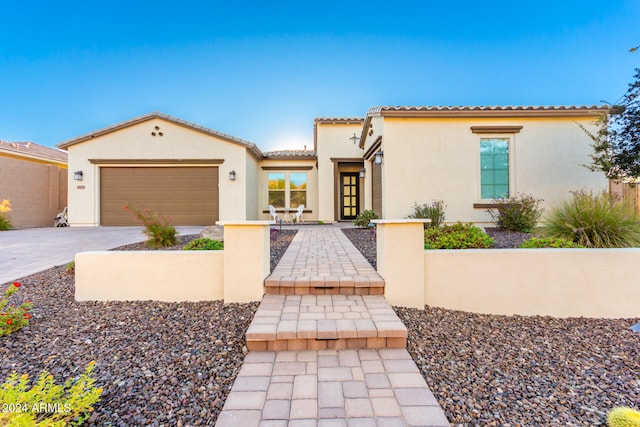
point(34, 179)
point(386, 161)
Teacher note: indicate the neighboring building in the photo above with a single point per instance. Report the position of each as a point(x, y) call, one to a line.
point(465, 156)
point(34, 179)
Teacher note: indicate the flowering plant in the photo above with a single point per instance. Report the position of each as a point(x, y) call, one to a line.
point(12, 317)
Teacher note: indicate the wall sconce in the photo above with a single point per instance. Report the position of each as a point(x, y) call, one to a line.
point(232, 175)
point(377, 159)
point(77, 175)
point(363, 171)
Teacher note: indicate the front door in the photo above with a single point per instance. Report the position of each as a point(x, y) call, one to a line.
point(349, 195)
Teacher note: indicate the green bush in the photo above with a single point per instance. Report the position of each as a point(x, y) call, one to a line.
point(623, 417)
point(364, 218)
point(204, 244)
point(70, 267)
point(595, 220)
point(5, 222)
point(519, 213)
point(456, 236)
point(433, 211)
point(548, 242)
point(47, 404)
point(158, 229)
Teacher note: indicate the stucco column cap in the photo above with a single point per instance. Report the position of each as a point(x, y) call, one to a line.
point(401, 221)
point(245, 222)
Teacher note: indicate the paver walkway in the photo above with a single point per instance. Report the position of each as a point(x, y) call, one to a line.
point(323, 261)
point(332, 364)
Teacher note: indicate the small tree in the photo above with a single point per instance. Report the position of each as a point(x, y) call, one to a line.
point(616, 147)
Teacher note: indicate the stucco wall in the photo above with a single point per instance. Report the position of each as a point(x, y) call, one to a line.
point(438, 158)
point(333, 141)
point(252, 183)
point(554, 282)
point(37, 191)
point(285, 166)
point(149, 275)
point(136, 142)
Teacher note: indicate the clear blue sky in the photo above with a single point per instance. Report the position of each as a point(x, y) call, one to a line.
point(264, 70)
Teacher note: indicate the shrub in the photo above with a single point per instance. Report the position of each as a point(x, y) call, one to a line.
point(595, 220)
point(623, 417)
point(519, 213)
point(433, 211)
point(157, 228)
point(548, 242)
point(12, 317)
point(456, 236)
point(47, 403)
point(204, 244)
point(364, 218)
point(5, 222)
point(70, 267)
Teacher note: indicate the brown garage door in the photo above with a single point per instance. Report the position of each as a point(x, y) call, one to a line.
point(188, 195)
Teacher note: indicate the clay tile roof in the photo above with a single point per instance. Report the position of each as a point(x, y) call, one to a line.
point(290, 154)
point(345, 120)
point(30, 149)
point(485, 108)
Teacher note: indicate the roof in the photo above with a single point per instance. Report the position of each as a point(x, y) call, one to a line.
point(480, 111)
point(32, 150)
point(290, 155)
point(342, 120)
point(253, 148)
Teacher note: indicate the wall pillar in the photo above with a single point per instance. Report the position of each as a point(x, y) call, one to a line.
point(400, 248)
point(246, 259)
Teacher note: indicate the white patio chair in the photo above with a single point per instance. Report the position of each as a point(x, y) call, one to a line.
point(272, 213)
point(298, 214)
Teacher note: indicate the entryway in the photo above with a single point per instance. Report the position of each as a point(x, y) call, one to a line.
point(349, 195)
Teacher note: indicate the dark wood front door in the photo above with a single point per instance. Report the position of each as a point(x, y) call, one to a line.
point(349, 195)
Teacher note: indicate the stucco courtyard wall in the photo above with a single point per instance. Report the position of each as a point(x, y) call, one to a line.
point(554, 282)
point(168, 276)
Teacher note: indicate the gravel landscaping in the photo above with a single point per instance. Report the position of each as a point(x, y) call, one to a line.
point(525, 370)
point(173, 364)
point(160, 364)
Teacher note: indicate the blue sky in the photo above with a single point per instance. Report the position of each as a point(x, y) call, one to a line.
point(263, 71)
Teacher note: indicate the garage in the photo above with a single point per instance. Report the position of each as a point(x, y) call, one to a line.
point(188, 195)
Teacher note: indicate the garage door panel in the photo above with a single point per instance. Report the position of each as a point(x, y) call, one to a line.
point(188, 195)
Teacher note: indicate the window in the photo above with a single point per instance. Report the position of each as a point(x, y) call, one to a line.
point(277, 189)
point(287, 189)
point(494, 168)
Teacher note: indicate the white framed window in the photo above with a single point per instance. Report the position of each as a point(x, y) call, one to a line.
point(287, 189)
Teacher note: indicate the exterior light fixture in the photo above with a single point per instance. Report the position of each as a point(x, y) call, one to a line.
point(77, 175)
point(377, 159)
point(232, 175)
point(363, 171)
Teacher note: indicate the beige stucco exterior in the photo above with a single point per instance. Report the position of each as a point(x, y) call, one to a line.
point(427, 158)
point(35, 186)
point(336, 152)
point(177, 143)
point(549, 282)
point(169, 276)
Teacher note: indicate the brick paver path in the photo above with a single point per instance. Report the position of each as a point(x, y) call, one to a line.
point(324, 371)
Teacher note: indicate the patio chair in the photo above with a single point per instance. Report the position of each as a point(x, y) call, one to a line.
point(272, 213)
point(298, 214)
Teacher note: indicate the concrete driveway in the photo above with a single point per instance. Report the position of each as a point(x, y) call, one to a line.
point(30, 250)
